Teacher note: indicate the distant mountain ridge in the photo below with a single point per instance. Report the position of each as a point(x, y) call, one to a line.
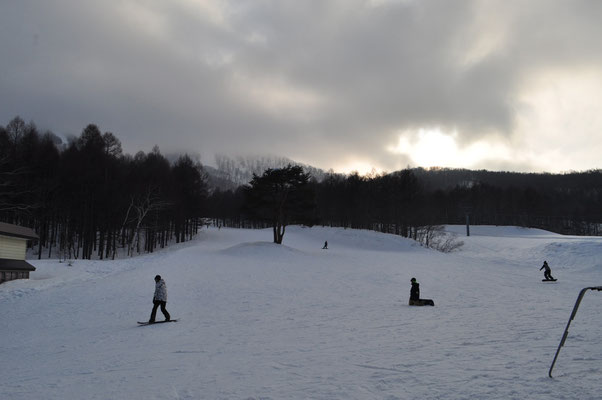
point(233, 172)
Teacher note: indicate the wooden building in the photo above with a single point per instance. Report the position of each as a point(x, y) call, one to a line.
point(13, 246)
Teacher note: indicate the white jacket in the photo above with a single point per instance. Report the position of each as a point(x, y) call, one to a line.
point(160, 291)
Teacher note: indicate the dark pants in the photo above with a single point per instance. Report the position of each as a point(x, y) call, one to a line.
point(163, 310)
point(548, 275)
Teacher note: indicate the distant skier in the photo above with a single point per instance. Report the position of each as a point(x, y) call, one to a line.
point(415, 299)
point(325, 245)
point(547, 273)
point(159, 299)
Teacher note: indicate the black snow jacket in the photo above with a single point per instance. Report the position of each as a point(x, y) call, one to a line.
point(415, 291)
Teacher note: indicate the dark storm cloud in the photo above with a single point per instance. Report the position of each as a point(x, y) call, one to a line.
point(312, 80)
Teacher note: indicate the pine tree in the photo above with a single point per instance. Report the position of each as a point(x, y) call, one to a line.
point(281, 197)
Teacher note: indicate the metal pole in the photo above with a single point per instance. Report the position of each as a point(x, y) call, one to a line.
point(566, 330)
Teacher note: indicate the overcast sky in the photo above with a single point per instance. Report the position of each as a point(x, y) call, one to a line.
point(348, 84)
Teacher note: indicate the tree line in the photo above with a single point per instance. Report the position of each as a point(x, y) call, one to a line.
point(415, 202)
point(86, 198)
point(567, 203)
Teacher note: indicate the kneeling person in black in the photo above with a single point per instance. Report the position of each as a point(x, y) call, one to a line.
point(415, 299)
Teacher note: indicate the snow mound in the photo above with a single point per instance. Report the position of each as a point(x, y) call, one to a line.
point(575, 254)
point(499, 231)
point(260, 249)
point(355, 239)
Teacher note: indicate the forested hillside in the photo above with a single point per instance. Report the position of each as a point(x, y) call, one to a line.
point(404, 201)
point(87, 199)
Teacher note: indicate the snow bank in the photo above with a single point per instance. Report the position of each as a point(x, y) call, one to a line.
point(501, 231)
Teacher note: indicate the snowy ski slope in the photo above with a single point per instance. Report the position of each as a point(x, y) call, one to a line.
point(263, 321)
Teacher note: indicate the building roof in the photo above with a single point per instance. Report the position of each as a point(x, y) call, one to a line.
point(15, 265)
point(17, 231)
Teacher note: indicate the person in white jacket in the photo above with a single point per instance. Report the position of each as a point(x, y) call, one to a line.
point(159, 299)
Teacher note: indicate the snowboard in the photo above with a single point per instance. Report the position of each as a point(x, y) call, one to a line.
point(422, 302)
point(549, 280)
point(156, 322)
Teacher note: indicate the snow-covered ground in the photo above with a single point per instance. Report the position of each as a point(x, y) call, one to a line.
point(263, 321)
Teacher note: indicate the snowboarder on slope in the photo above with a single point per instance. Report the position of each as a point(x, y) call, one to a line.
point(159, 299)
point(325, 245)
point(415, 299)
point(414, 291)
point(547, 274)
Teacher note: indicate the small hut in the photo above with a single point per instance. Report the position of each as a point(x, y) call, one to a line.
point(13, 245)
